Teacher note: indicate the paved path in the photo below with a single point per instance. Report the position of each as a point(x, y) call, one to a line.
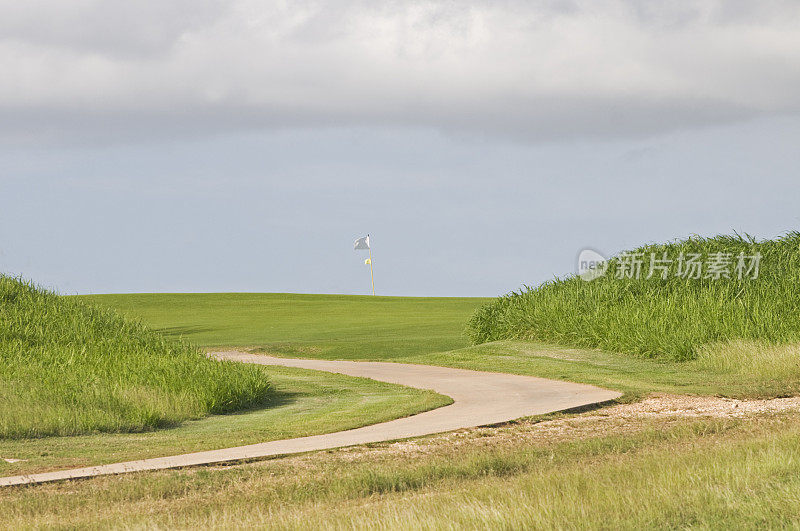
point(479, 398)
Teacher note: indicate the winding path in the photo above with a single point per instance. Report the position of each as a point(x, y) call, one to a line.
point(479, 399)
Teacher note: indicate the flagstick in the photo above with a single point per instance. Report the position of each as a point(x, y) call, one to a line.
point(371, 274)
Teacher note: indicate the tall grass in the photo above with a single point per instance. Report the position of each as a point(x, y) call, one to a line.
point(658, 318)
point(752, 360)
point(68, 368)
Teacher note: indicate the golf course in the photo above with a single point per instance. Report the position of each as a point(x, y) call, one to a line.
point(694, 421)
point(409, 265)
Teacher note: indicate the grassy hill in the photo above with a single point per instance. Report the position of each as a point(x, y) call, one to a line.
point(67, 368)
point(678, 317)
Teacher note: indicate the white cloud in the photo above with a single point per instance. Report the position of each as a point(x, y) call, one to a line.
point(540, 70)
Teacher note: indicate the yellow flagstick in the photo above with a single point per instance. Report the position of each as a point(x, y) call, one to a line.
point(371, 274)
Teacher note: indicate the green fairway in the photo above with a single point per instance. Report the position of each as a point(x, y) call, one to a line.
point(325, 326)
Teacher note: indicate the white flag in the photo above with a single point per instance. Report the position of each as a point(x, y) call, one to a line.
point(362, 243)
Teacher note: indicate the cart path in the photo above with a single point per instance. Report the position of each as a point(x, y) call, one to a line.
point(479, 399)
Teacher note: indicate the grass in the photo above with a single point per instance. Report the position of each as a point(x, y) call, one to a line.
point(669, 318)
point(710, 474)
point(723, 473)
point(308, 403)
point(752, 360)
point(69, 368)
point(327, 326)
point(105, 355)
point(366, 328)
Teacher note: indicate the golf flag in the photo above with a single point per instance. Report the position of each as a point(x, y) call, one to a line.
point(362, 243)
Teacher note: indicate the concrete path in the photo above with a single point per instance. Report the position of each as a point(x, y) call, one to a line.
point(479, 398)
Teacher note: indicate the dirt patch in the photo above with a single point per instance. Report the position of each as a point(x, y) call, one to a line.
point(698, 406)
point(661, 410)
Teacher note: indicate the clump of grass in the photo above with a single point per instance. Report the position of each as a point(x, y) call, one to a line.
point(658, 317)
point(753, 360)
point(68, 368)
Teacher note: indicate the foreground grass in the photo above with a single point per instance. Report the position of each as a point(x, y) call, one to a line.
point(69, 368)
point(706, 473)
point(669, 318)
point(309, 403)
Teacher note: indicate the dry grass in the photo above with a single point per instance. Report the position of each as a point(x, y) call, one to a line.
point(668, 461)
point(665, 409)
point(752, 359)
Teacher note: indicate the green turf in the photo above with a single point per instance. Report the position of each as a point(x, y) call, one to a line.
point(308, 403)
point(330, 326)
point(659, 317)
point(69, 368)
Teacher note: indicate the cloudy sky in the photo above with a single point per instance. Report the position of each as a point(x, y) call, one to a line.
point(202, 145)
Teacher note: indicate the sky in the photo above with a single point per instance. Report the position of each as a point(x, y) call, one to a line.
point(203, 146)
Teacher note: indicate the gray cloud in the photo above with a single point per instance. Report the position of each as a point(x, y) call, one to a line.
point(112, 28)
point(530, 70)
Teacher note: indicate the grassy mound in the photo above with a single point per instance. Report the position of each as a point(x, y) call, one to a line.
point(675, 317)
point(68, 368)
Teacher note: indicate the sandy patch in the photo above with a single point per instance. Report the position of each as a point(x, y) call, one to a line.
point(660, 410)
